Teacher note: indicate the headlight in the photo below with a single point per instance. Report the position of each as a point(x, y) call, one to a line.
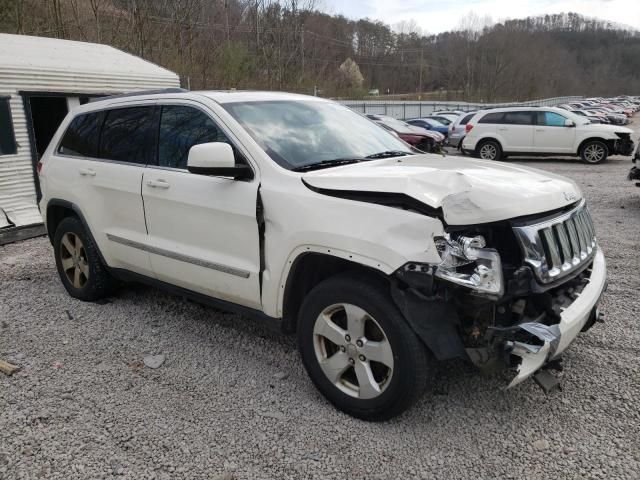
point(466, 261)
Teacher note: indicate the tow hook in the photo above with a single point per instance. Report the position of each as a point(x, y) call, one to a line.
point(545, 379)
point(596, 316)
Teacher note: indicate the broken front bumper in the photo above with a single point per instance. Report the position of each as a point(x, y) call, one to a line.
point(556, 338)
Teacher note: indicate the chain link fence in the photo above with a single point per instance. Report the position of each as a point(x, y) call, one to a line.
point(416, 109)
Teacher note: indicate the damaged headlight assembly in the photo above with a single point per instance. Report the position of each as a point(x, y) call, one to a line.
point(466, 261)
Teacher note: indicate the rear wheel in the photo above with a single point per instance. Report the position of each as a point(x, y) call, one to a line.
point(594, 152)
point(78, 262)
point(489, 150)
point(358, 349)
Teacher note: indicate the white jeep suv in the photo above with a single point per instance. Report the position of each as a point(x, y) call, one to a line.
point(495, 134)
point(300, 212)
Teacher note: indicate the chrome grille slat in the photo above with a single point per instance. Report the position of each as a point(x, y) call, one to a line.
point(561, 232)
point(555, 247)
point(574, 239)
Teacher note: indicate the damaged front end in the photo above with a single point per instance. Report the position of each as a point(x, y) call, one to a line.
point(624, 145)
point(517, 305)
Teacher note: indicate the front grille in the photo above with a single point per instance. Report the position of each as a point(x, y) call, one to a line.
point(558, 246)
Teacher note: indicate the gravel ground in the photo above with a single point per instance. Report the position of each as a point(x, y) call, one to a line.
point(232, 400)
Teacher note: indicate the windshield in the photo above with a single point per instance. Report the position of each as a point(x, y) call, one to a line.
point(297, 133)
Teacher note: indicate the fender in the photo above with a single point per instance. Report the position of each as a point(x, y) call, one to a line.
point(352, 257)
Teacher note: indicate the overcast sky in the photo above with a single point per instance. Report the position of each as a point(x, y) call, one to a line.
point(434, 16)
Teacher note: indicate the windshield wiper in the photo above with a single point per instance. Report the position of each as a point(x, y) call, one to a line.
point(326, 164)
point(388, 154)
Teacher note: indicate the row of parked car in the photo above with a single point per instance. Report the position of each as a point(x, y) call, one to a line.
point(616, 111)
point(592, 129)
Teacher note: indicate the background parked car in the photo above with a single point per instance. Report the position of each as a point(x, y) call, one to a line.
point(457, 129)
point(445, 118)
point(494, 134)
point(418, 137)
point(430, 124)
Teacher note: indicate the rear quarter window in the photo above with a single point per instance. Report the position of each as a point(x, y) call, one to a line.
point(81, 137)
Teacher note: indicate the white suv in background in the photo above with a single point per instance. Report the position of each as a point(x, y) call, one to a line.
point(298, 211)
point(495, 134)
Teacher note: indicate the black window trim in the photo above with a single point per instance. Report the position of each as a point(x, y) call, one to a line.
point(12, 128)
point(217, 121)
point(158, 103)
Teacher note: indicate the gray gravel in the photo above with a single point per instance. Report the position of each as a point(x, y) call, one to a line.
point(231, 399)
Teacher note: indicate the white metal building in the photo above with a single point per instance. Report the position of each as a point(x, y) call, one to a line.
point(41, 79)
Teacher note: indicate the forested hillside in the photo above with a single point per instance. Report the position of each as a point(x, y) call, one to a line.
point(291, 45)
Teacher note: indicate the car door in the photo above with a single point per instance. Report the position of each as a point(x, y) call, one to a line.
point(551, 135)
point(103, 155)
point(516, 131)
point(203, 232)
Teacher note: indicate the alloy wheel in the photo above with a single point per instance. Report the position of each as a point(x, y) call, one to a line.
point(353, 351)
point(73, 258)
point(594, 153)
point(488, 152)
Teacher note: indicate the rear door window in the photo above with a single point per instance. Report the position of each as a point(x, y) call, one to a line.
point(182, 127)
point(518, 118)
point(495, 117)
point(82, 135)
point(127, 135)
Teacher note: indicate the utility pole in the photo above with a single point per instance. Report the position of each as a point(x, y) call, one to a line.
point(302, 47)
point(421, 61)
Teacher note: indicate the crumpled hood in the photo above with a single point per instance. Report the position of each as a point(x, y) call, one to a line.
point(469, 191)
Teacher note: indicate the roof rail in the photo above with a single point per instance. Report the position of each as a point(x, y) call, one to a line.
point(139, 93)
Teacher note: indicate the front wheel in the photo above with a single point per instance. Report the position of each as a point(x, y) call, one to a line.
point(594, 152)
point(358, 349)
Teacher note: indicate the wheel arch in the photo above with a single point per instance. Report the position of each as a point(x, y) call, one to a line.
point(59, 209)
point(486, 139)
point(307, 270)
point(608, 142)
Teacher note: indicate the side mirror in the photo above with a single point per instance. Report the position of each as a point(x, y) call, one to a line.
point(216, 159)
point(569, 123)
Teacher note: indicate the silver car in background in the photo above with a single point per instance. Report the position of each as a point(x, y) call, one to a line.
point(457, 129)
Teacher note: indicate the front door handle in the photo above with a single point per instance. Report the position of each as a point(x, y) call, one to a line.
point(503, 129)
point(87, 172)
point(157, 184)
point(539, 129)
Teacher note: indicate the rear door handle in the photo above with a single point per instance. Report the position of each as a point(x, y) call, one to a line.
point(539, 129)
point(87, 172)
point(157, 184)
point(503, 129)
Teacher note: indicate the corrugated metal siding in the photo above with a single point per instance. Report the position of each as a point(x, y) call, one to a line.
point(17, 188)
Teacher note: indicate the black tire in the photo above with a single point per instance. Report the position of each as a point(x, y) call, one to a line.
point(98, 283)
point(594, 152)
point(489, 150)
point(411, 360)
